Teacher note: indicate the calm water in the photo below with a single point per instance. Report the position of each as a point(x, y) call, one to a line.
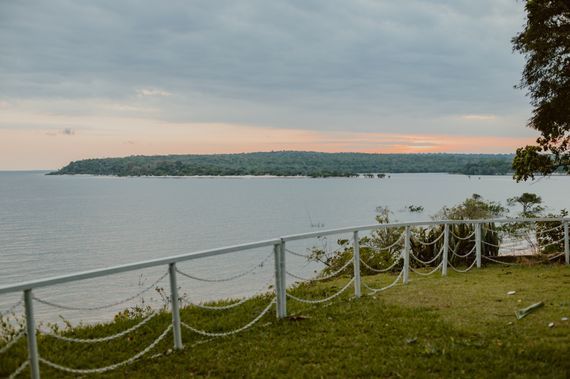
point(52, 225)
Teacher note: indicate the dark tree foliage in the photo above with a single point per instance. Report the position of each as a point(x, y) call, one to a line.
point(381, 250)
point(550, 234)
point(292, 163)
point(530, 203)
point(545, 44)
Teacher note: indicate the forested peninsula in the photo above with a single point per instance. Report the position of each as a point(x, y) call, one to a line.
point(292, 163)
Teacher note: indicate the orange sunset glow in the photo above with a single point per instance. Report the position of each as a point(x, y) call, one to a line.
point(23, 148)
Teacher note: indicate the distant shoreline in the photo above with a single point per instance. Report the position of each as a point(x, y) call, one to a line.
point(291, 164)
point(268, 177)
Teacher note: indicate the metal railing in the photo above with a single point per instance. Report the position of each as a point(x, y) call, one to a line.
point(279, 250)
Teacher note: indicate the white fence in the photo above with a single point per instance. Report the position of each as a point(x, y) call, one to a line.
point(280, 249)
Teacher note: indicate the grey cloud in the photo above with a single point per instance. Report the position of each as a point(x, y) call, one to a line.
point(317, 64)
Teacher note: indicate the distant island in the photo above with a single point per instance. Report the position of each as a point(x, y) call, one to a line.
point(292, 163)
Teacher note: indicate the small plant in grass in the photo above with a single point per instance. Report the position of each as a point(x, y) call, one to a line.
point(135, 312)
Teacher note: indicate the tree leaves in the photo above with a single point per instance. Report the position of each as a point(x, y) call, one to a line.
point(545, 44)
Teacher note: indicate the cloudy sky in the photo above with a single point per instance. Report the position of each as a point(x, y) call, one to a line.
point(81, 79)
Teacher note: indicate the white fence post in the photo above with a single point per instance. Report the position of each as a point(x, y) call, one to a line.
point(478, 243)
point(445, 250)
point(566, 243)
point(356, 264)
point(407, 248)
point(277, 259)
point(31, 335)
point(280, 279)
point(283, 271)
point(175, 307)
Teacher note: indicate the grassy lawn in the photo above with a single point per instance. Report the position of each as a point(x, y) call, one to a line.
point(462, 325)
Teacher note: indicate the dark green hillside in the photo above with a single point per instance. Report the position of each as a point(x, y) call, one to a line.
point(292, 163)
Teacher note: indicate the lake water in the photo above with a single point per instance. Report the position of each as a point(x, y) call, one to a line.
point(53, 225)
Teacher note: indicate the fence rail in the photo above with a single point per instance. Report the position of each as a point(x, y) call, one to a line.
point(444, 252)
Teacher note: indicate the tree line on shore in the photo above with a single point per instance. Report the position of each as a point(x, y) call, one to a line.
point(292, 163)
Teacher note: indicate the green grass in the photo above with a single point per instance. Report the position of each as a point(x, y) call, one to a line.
point(462, 325)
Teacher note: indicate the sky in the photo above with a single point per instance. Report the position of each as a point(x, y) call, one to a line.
point(86, 79)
